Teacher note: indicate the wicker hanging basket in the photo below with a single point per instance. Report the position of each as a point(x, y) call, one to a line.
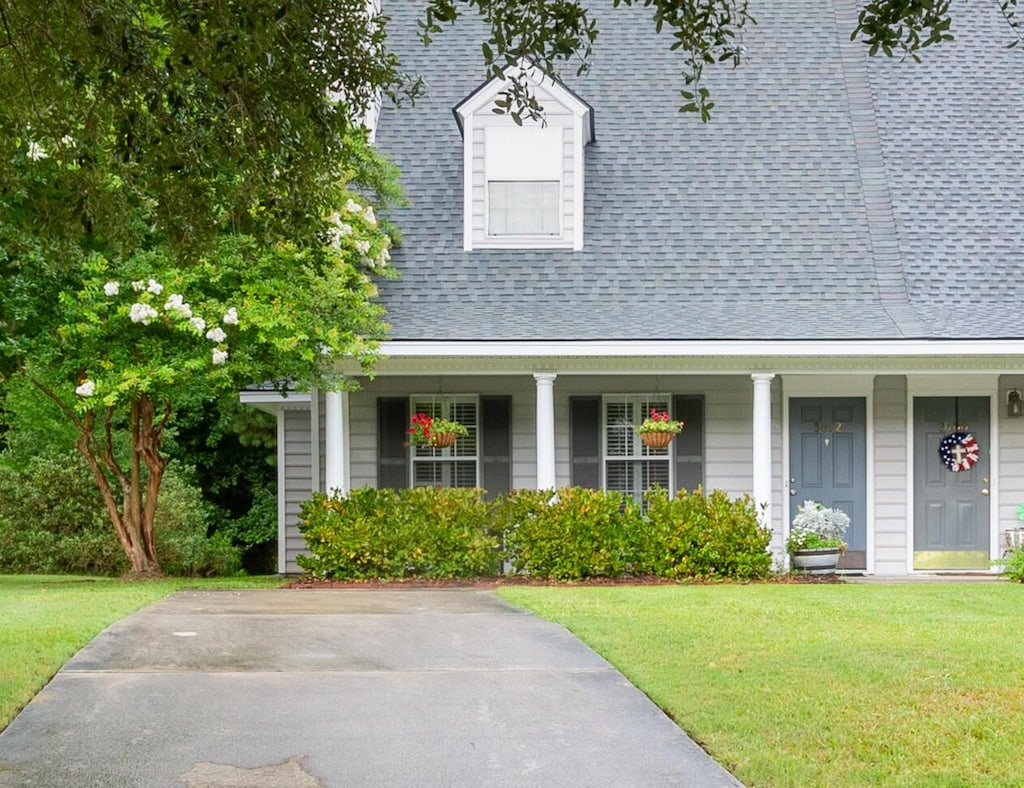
point(657, 440)
point(442, 440)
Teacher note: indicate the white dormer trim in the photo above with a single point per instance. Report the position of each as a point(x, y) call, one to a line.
point(563, 110)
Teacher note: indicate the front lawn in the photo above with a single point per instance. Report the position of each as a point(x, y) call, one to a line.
point(822, 684)
point(44, 620)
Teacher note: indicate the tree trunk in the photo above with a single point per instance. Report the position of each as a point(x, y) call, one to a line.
point(133, 521)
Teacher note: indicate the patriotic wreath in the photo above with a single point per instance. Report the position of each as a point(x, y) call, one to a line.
point(959, 451)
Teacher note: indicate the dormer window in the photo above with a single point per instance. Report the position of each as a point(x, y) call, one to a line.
point(523, 185)
point(524, 170)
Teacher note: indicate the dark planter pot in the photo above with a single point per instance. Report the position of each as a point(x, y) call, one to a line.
point(816, 562)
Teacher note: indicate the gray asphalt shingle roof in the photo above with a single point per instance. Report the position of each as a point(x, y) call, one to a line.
point(831, 196)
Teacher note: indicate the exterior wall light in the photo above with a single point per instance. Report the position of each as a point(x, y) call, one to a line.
point(1014, 404)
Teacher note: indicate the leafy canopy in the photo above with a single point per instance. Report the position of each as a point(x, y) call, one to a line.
point(207, 146)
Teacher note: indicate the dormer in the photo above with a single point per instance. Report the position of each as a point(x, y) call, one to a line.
point(523, 185)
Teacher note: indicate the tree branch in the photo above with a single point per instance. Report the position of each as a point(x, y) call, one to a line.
point(7, 27)
point(1008, 8)
point(48, 393)
point(85, 448)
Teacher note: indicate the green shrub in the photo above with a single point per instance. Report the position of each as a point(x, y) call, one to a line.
point(1013, 565)
point(255, 532)
point(575, 534)
point(390, 534)
point(180, 531)
point(572, 535)
point(52, 520)
point(697, 536)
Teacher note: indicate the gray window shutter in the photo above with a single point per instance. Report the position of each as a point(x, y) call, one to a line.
point(585, 441)
point(689, 444)
point(496, 445)
point(392, 435)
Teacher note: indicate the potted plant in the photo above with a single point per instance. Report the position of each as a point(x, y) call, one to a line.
point(658, 430)
point(816, 539)
point(425, 430)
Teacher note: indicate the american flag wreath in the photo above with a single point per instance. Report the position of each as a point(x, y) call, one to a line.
point(959, 451)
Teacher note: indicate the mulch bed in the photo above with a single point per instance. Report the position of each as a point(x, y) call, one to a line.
point(496, 582)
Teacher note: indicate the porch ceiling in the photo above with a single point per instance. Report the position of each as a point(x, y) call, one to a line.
point(668, 357)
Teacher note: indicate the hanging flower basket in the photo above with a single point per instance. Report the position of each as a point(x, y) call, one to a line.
point(658, 430)
point(425, 430)
point(442, 440)
point(657, 440)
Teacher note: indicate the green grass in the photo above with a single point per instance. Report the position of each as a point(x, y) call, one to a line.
point(822, 685)
point(44, 620)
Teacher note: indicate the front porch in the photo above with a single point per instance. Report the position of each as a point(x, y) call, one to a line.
point(568, 424)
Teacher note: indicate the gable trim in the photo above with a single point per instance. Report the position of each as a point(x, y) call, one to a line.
point(486, 91)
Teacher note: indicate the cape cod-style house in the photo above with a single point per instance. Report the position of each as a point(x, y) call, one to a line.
point(824, 282)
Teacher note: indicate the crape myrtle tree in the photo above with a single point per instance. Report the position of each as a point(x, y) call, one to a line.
point(186, 194)
point(186, 207)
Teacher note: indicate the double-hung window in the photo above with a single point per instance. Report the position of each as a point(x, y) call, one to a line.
point(454, 466)
point(524, 168)
point(630, 466)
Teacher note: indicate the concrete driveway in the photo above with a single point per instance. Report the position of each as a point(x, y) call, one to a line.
point(343, 688)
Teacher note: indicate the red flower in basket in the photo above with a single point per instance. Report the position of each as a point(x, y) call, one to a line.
point(658, 430)
point(425, 430)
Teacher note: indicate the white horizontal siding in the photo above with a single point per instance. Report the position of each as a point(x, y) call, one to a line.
point(298, 481)
point(1010, 460)
point(568, 179)
point(889, 474)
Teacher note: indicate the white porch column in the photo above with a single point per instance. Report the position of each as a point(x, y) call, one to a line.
point(545, 430)
point(335, 442)
point(762, 458)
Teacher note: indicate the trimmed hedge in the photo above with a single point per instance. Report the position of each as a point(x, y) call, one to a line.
point(420, 532)
point(705, 536)
point(573, 534)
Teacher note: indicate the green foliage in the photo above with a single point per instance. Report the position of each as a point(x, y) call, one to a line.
point(892, 26)
point(158, 118)
point(658, 421)
point(185, 207)
point(180, 530)
point(705, 536)
point(52, 520)
point(232, 449)
point(574, 534)
point(33, 426)
point(258, 525)
point(549, 33)
point(1013, 565)
point(421, 532)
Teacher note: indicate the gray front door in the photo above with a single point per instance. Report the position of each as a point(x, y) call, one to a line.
point(827, 463)
point(951, 508)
